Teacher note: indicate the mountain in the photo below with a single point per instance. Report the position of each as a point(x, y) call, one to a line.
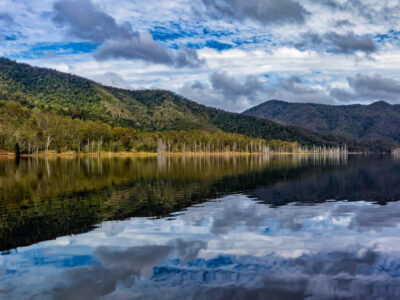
point(379, 120)
point(144, 110)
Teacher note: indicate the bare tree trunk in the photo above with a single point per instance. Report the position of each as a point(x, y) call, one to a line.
point(48, 142)
point(99, 145)
point(161, 147)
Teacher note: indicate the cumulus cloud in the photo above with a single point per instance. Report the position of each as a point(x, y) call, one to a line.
point(372, 11)
point(347, 43)
point(138, 46)
point(350, 43)
point(230, 87)
point(203, 94)
point(6, 18)
point(375, 85)
point(293, 89)
point(111, 79)
point(229, 93)
point(329, 33)
point(86, 21)
point(343, 23)
point(263, 11)
point(368, 88)
point(188, 57)
point(226, 92)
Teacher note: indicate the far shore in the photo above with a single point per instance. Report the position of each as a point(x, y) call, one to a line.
point(54, 154)
point(127, 153)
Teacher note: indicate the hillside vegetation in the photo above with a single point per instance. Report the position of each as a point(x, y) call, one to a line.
point(379, 120)
point(52, 99)
point(35, 130)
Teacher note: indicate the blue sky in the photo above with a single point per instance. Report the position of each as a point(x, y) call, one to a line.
point(231, 54)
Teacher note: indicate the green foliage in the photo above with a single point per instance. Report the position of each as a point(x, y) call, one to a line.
point(31, 129)
point(49, 94)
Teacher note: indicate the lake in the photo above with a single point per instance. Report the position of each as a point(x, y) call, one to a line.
point(218, 227)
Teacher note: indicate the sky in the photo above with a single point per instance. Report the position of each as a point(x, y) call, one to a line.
point(230, 54)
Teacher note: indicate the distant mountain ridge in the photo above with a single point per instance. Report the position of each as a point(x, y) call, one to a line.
point(379, 120)
point(147, 110)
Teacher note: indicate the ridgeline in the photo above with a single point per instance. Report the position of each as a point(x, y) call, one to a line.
point(43, 109)
point(379, 120)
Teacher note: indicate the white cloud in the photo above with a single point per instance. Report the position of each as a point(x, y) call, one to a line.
point(258, 48)
point(111, 79)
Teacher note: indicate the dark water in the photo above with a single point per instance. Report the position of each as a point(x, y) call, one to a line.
point(288, 227)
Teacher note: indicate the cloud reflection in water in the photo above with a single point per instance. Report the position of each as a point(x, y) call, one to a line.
point(233, 248)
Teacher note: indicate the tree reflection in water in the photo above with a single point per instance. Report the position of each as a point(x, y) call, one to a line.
point(279, 227)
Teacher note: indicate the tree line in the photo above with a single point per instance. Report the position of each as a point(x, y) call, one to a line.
point(32, 131)
point(29, 131)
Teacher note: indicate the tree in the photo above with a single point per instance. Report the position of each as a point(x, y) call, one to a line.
point(17, 150)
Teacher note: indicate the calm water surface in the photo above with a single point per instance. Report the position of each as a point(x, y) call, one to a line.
point(282, 227)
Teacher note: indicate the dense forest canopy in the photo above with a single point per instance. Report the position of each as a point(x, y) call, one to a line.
point(35, 130)
point(44, 109)
point(379, 120)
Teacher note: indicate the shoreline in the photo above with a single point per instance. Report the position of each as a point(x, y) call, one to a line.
point(71, 154)
point(127, 154)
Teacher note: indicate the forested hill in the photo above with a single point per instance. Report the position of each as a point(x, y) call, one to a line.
point(146, 110)
point(379, 120)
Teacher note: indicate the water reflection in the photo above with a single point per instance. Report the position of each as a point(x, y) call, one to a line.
point(364, 178)
point(233, 248)
point(43, 199)
point(251, 228)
